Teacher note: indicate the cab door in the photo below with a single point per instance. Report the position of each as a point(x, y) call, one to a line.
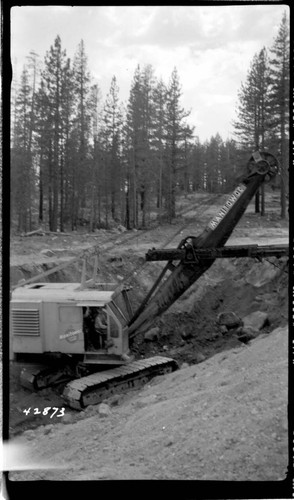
point(70, 336)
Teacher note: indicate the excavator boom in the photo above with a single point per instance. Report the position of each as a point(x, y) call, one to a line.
point(262, 167)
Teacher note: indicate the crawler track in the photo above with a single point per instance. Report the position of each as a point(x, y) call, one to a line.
point(92, 389)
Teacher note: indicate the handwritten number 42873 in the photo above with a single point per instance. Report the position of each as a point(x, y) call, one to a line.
point(46, 411)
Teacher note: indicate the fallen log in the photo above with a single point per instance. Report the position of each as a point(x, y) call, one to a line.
point(41, 232)
point(36, 231)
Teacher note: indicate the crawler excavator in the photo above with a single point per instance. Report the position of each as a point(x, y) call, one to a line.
point(50, 321)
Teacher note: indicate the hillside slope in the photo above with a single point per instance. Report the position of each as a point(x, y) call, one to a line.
point(222, 419)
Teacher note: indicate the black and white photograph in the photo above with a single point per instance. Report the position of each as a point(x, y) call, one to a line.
point(149, 244)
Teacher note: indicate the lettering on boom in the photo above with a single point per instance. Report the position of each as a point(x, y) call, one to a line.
point(227, 206)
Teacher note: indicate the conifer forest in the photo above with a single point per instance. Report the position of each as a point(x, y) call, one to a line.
point(78, 160)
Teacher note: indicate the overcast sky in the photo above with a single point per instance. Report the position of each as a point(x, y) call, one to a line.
point(211, 47)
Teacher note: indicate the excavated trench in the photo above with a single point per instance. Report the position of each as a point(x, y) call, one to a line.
point(189, 331)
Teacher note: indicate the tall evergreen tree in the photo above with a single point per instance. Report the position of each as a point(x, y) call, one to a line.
point(280, 98)
point(52, 77)
point(157, 142)
point(197, 171)
point(252, 126)
point(82, 120)
point(138, 130)
point(175, 132)
point(111, 133)
point(213, 162)
point(22, 169)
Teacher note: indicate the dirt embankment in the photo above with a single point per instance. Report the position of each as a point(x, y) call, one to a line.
point(223, 419)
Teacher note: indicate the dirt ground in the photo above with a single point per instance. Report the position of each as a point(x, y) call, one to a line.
point(221, 416)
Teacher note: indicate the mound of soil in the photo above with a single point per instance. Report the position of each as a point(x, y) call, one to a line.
point(223, 419)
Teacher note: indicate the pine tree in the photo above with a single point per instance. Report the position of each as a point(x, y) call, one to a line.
point(67, 105)
point(112, 125)
point(22, 170)
point(174, 136)
point(213, 161)
point(138, 131)
point(197, 169)
point(82, 120)
point(280, 86)
point(52, 77)
point(252, 126)
point(96, 174)
point(43, 133)
point(158, 133)
point(186, 158)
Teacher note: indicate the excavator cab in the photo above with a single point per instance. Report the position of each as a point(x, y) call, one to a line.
point(48, 318)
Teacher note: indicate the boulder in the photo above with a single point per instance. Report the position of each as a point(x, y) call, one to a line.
point(152, 334)
point(104, 410)
point(256, 320)
point(245, 334)
point(90, 410)
point(261, 274)
point(229, 319)
point(199, 357)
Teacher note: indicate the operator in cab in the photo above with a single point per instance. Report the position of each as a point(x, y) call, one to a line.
point(101, 326)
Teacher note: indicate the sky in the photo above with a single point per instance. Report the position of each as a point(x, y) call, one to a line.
point(212, 48)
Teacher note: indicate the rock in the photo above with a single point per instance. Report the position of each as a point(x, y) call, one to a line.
point(255, 320)
point(229, 319)
point(199, 357)
point(146, 401)
point(104, 410)
point(152, 334)
point(223, 329)
point(121, 228)
point(48, 429)
point(185, 365)
point(113, 400)
point(245, 334)
point(67, 418)
point(29, 434)
point(81, 414)
point(90, 410)
point(261, 273)
point(47, 252)
point(165, 348)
